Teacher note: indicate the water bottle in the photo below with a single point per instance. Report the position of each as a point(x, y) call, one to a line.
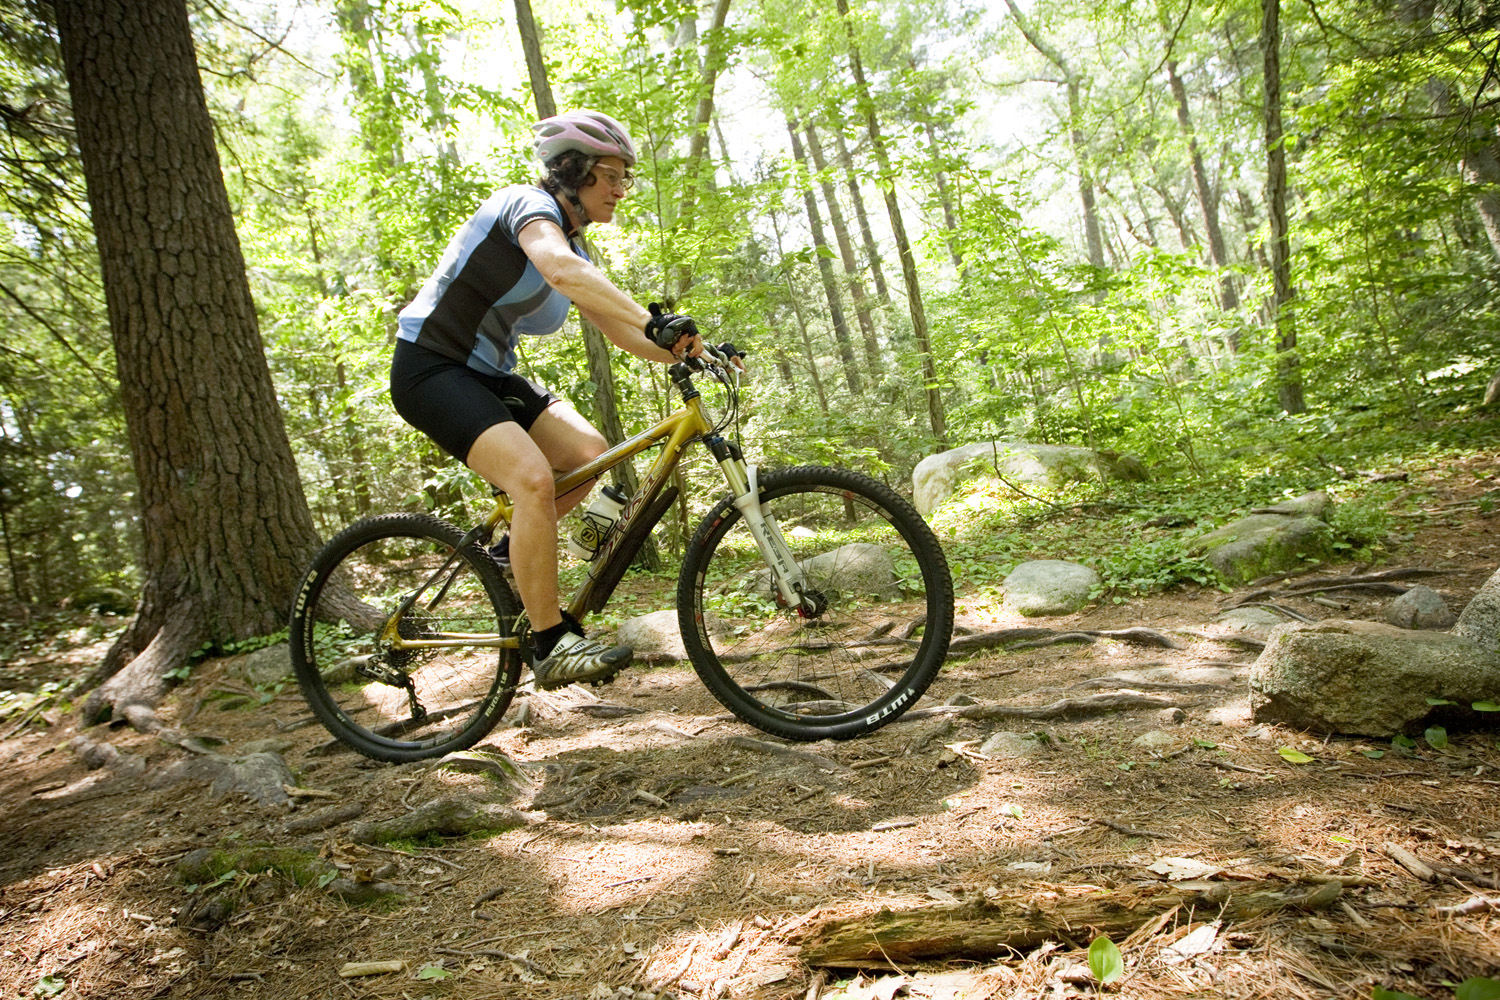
point(596, 523)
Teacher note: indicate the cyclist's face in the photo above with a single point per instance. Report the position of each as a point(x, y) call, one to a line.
point(611, 181)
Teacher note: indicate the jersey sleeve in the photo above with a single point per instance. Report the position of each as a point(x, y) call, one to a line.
point(527, 205)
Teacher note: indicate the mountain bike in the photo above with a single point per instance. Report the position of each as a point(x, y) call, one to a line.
point(814, 602)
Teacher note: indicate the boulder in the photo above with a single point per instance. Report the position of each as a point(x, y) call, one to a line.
point(1272, 541)
point(1049, 587)
point(1480, 621)
point(263, 667)
point(1368, 678)
point(937, 476)
point(656, 637)
point(1420, 607)
point(859, 568)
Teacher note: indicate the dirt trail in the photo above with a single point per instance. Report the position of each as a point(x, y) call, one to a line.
point(682, 855)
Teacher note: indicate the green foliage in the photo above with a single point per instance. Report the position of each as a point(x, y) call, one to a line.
point(1105, 961)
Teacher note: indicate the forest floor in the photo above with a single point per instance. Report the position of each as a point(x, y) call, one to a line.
point(686, 861)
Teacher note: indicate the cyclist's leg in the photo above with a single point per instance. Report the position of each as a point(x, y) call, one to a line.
point(506, 456)
point(568, 441)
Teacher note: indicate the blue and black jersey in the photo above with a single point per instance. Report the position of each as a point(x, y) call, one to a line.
point(486, 292)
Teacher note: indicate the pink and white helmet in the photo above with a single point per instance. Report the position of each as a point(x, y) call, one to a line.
point(589, 132)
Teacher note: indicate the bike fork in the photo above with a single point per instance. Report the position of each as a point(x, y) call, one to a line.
point(786, 575)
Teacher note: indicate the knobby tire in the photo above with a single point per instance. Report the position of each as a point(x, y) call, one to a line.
point(356, 583)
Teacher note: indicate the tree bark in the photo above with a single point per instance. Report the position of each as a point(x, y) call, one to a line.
point(1073, 85)
point(226, 527)
point(1229, 296)
point(796, 298)
point(1288, 370)
point(846, 252)
point(935, 415)
point(715, 55)
point(536, 66)
point(601, 372)
point(866, 234)
point(825, 270)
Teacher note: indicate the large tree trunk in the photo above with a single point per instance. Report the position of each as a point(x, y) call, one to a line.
point(226, 527)
point(846, 252)
point(825, 270)
point(1288, 371)
point(935, 414)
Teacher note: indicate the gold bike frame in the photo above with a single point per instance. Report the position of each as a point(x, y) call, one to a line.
point(679, 429)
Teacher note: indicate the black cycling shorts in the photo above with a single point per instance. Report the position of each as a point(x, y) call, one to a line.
point(454, 404)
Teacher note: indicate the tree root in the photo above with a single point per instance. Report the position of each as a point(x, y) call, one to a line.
point(1091, 704)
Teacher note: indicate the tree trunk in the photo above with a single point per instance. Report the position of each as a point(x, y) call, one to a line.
point(796, 297)
point(950, 217)
point(1229, 296)
point(601, 373)
point(935, 414)
point(536, 66)
point(1288, 372)
point(866, 234)
point(825, 270)
point(846, 252)
point(715, 55)
point(226, 526)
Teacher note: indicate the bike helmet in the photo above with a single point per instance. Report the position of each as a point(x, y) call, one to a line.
point(588, 132)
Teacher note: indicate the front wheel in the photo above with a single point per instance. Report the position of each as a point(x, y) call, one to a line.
point(869, 637)
point(378, 584)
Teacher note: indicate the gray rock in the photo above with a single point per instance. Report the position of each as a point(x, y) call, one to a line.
point(1420, 607)
point(858, 568)
point(1480, 621)
point(657, 637)
point(1366, 678)
point(1012, 746)
point(937, 476)
point(1316, 504)
point(1049, 587)
point(1155, 739)
point(263, 667)
point(1262, 544)
point(259, 777)
point(1256, 621)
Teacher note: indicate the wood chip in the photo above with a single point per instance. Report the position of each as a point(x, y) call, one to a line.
point(1409, 861)
point(351, 970)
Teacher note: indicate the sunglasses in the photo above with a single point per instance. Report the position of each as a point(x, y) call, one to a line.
point(624, 181)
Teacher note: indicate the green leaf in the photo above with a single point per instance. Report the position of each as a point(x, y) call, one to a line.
point(49, 986)
point(1478, 988)
point(1402, 740)
point(325, 878)
point(1339, 840)
point(1486, 706)
point(1205, 744)
point(1373, 754)
point(433, 972)
point(1436, 737)
point(1440, 701)
point(1384, 994)
point(1105, 961)
point(1292, 756)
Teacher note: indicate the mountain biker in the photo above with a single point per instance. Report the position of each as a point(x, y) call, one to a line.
point(514, 268)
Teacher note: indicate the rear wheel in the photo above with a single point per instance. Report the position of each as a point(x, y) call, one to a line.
point(871, 633)
point(404, 575)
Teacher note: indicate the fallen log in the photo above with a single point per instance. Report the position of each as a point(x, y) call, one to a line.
point(984, 929)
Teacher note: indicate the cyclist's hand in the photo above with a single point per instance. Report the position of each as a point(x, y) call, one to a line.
point(668, 330)
point(732, 355)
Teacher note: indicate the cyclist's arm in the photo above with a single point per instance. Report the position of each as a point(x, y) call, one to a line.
point(617, 315)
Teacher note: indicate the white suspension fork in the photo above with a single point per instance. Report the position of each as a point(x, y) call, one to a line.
point(786, 575)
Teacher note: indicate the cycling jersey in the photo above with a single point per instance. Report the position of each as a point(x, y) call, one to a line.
point(486, 292)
